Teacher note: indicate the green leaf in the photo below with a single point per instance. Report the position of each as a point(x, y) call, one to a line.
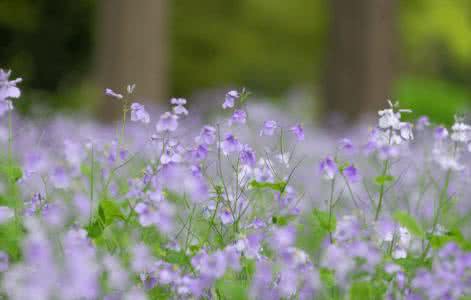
point(383, 180)
point(95, 229)
point(454, 235)
point(109, 211)
point(282, 220)
point(177, 257)
point(232, 288)
point(327, 277)
point(411, 224)
point(12, 171)
point(276, 186)
point(361, 290)
point(323, 218)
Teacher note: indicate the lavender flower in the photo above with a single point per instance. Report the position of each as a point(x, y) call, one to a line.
point(139, 114)
point(111, 93)
point(179, 108)
point(230, 145)
point(167, 122)
point(4, 261)
point(298, 131)
point(269, 128)
point(351, 173)
point(231, 96)
point(8, 89)
point(328, 168)
point(238, 117)
point(5, 214)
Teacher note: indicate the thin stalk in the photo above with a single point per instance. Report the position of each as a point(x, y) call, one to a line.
point(442, 198)
point(331, 208)
point(381, 190)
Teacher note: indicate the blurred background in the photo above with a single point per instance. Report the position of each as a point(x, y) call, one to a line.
point(335, 57)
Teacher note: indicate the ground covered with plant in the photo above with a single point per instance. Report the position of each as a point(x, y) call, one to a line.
point(252, 205)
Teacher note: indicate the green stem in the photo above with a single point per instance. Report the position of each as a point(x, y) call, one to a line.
point(381, 190)
point(123, 123)
point(331, 208)
point(442, 198)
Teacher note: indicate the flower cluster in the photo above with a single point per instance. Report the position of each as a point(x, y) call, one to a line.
point(167, 207)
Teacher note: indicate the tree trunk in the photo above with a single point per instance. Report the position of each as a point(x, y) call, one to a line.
point(132, 48)
point(360, 63)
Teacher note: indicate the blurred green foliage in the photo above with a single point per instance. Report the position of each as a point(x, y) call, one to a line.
point(266, 45)
point(435, 98)
point(269, 46)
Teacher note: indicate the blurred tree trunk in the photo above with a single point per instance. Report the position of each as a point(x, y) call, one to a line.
point(360, 61)
point(132, 48)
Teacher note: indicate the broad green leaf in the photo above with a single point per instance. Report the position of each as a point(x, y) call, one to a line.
point(282, 220)
point(362, 290)
point(177, 257)
point(276, 186)
point(95, 229)
point(383, 180)
point(230, 287)
point(327, 222)
point(109, 211)
point(409, 222)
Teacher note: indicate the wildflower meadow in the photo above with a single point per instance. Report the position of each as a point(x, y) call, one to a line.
point(251, 204)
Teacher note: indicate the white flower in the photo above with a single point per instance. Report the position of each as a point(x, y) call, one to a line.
point(461, 132)
point(389, 119)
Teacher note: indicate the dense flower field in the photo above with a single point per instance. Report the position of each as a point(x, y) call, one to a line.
point(251, 206)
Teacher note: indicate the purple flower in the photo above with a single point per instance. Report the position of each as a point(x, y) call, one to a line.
point(269, 128)
point(328, 168)
point(346, 145)
point(207, 135)
point(8, 88)
point(167, 122)
point(298, 132)
point(199, 153)
point(139, 114)
point(247, 156)
point(422, 123)
point(351, 173)
point(230, 144)
point(226, 216)
point(5, 214)
point(232, 258)
point(59, 178)
point(239, 117)
point(178, 101)
point(213, 265)
point(283, 237)
point(179, 108)
point(231, 96)
point(4, 263)
point(111, 93)
point(440, 133)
